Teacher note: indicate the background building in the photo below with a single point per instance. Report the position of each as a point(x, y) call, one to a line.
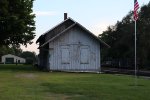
point(10, 59)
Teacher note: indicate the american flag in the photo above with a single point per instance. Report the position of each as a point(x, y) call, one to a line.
point(136, 7)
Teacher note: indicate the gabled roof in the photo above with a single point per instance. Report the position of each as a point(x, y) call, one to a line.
point(74, 23)
point(52, 32)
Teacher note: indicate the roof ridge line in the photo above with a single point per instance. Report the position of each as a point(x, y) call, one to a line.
point(58, 25)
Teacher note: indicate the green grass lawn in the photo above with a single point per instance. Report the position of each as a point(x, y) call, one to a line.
point(23, 82)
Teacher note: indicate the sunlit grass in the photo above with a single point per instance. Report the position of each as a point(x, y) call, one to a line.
point(23, 82)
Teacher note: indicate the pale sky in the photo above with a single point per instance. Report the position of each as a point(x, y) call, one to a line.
point(95, 15)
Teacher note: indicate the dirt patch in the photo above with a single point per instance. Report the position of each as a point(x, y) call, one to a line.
point(53, 96)
point(29, 75)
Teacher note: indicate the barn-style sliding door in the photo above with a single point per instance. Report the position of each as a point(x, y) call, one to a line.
point(75, 57)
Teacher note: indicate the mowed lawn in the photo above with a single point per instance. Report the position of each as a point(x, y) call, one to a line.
point(25, 83)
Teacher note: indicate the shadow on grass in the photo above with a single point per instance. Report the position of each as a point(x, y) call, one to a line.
point(74, 92)
point(136, 85)
point(17, 68)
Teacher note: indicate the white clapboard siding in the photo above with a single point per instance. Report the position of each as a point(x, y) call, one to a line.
point(74, 50)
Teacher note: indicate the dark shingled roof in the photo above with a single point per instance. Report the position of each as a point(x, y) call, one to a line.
point(57, 29)
point(62, 28)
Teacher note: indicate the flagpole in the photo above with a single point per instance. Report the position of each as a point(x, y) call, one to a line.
point(136, 7)
point(135, 56)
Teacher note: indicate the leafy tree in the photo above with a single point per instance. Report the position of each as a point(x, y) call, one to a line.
point(121, 38)
point(144, 35)
point(15, 50)
point(17, 23)
point(29, 56)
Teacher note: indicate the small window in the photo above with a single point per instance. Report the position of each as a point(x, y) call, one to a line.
point(65, 54)
point(84, 55)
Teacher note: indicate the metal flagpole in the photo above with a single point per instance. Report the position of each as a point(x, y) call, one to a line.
point(136, 7)
point(135, 57)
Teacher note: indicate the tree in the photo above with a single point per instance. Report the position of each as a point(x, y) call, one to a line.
point(17, 23)
point(144, 35)
point(15, 50)
point(29, 56)
point(121, 38)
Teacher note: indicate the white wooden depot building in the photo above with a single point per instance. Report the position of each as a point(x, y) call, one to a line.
point(69, 46)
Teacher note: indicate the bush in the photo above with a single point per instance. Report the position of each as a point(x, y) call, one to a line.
point(29, 60)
